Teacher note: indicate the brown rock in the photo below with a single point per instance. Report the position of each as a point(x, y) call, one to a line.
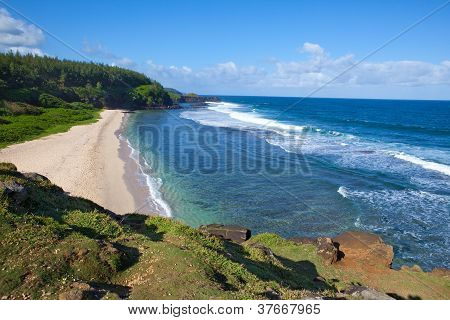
point(413, 268)
point(363, 247)
point(325, 247)
point(416, 268)
point(228, 232)
point(78, 291)
point(327, 250)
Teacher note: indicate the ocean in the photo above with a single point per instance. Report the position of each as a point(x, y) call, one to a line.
point(310, 167)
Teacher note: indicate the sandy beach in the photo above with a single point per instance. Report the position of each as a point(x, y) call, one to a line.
point(89, 161)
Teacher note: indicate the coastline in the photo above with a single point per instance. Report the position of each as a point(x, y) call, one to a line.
point(144, 187)
point(89, 161)
point(131, 175)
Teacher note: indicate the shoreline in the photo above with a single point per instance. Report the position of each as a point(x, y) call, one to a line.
point(142, 185)
point(88, 161)
point(131, 176)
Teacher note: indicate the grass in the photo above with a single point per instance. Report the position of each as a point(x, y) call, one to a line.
point(52, 240)
point(21, 128)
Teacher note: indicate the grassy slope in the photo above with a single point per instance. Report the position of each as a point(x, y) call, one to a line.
point(28, 127)
point(52, 240)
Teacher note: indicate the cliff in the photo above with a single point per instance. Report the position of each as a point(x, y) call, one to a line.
point(54, 246)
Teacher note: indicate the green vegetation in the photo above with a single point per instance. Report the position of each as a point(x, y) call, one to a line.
point(54, 245)
point(44, 95)
point(175, 95)
point(26, 126)
point(150, 95)
point(18, 108)
point(24, 78)
point(48, 101)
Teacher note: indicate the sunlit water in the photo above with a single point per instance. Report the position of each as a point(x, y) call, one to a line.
point(319, 168)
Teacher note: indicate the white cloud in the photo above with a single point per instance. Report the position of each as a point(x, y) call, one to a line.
point(317, 72)
point(340, 75)
point(123, 62)
point(312, 48)
point(210, 78)
point(17, 35)
point(162, 71)
point(99, 51)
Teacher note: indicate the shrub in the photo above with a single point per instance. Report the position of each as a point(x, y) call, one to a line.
point(3, 110)
point(48, 101)
point(19, 108)
point(94, 224)
point(28, 95)
point(174, 96)
point(7, 166)
point(81, 105)
point(150, 95)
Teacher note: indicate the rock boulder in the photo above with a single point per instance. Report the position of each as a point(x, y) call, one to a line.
point(14, 190)
point(325, 247)
point(364, 248)
point(79, 291)
point(228, 232)
point(364, 293)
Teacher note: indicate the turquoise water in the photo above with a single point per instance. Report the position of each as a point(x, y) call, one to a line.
point(319, 167)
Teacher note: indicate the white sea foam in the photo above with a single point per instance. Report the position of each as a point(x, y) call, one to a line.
point(342, 191)
point(293, 138)
point(153, 184)
point(429, 165)
point(253, 118)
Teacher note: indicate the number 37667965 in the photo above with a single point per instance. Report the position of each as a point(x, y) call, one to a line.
point(288, 308)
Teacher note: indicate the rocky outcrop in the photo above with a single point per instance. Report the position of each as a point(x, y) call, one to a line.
point(413, 268)
point(228, 232)
point(162, 107)
point(365, 293)
point(79, 291)
point(189, 98)
point(363, 248)
point(272, 294)
point(325, 247)
point(14, 190)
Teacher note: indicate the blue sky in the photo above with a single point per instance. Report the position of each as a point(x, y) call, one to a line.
point(285, 48)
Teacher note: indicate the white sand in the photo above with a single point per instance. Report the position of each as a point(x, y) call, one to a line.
point(84, 161)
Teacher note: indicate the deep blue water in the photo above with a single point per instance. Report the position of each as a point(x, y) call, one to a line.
point(319, 167)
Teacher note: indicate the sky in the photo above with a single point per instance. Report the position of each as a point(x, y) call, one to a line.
point(270, 48)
